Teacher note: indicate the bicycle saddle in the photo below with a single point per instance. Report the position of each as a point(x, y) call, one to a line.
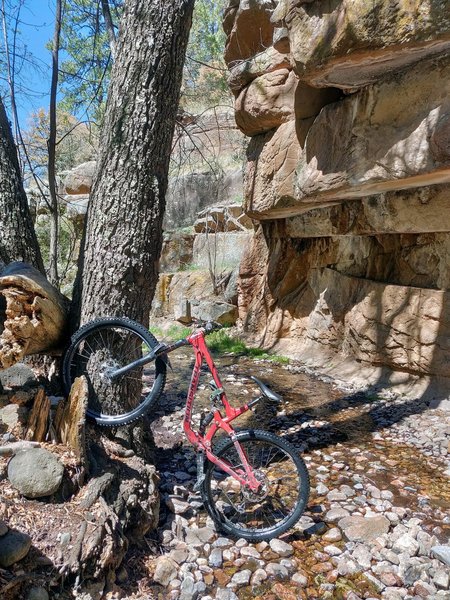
point(267, 392)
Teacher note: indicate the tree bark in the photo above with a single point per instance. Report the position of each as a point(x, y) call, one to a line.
point(18, 240)
point(119, 261)
point(51, 146)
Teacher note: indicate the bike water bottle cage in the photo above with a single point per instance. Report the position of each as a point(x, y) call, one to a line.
point(216, 392)
point(267, 392)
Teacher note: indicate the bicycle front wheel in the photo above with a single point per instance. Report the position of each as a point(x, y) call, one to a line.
point(280, 500)
point(103, 346)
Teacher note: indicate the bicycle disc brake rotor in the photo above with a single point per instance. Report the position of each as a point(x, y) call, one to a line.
point(259, 494)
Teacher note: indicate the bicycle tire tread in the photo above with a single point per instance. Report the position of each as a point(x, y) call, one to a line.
point(136, 414)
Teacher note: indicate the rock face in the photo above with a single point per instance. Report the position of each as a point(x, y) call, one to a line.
point(348, 172)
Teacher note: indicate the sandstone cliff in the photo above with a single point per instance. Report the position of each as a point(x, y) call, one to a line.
point(347, 106)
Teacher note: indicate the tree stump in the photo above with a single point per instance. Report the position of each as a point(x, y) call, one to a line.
point(38, 420)
point(35, 314)
point(70, 420)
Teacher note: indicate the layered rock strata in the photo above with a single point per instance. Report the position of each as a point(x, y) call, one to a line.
point(348, 172)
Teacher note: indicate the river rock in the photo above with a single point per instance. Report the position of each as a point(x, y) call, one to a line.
point(166, 570)
point(281, 548)
point(18, 376)
point(442, 553)
point(13, 547)
point(35, 473)
point(13, 415)
point(406, 544)
point(364, 529)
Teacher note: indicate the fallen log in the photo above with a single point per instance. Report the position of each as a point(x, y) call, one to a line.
point(35, 314)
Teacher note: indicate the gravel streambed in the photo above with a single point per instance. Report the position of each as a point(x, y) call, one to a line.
point(378, 521)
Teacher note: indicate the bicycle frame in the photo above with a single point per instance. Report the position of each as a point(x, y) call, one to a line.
point(204, 443)
point(199, 441)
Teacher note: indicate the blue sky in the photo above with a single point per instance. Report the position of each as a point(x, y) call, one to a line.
point(36, 32)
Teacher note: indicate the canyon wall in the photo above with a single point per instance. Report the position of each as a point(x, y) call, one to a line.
point(347, 107)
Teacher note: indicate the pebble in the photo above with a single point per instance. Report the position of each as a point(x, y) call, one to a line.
point(241, 577)
point(281, 548)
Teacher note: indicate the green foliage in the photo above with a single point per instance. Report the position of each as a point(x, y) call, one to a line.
point(173, 333)
point(205, 73)
point(220, 342)
point(86, 73)
point(66, 249)
point(76, 142)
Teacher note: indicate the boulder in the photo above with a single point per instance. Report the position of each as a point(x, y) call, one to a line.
point(35, 473)
point(214, 310)
point(352, 43)
point(76, 206)
point(79, 180)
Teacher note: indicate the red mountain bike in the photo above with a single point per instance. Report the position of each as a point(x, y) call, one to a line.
point(253, 483)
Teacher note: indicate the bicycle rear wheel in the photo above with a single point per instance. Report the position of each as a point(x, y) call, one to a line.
point(276, 506)
point(105, 345)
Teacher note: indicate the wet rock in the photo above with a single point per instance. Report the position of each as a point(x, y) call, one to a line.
point(258, 577)
point(347, 566)
point(442, 553)
point(276, 570)
point(226, 594)
point(281, 548)
point(300, 580)
point(216, 558)
point(13, 547)
point(364, 529)
point(35, 473)
point(332, 550)
point(241, 577)
point(332, 535)
point(335, 514)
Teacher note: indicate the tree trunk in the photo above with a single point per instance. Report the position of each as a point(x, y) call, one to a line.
point(119, 262)
point(51, 145)
point(17, 236)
